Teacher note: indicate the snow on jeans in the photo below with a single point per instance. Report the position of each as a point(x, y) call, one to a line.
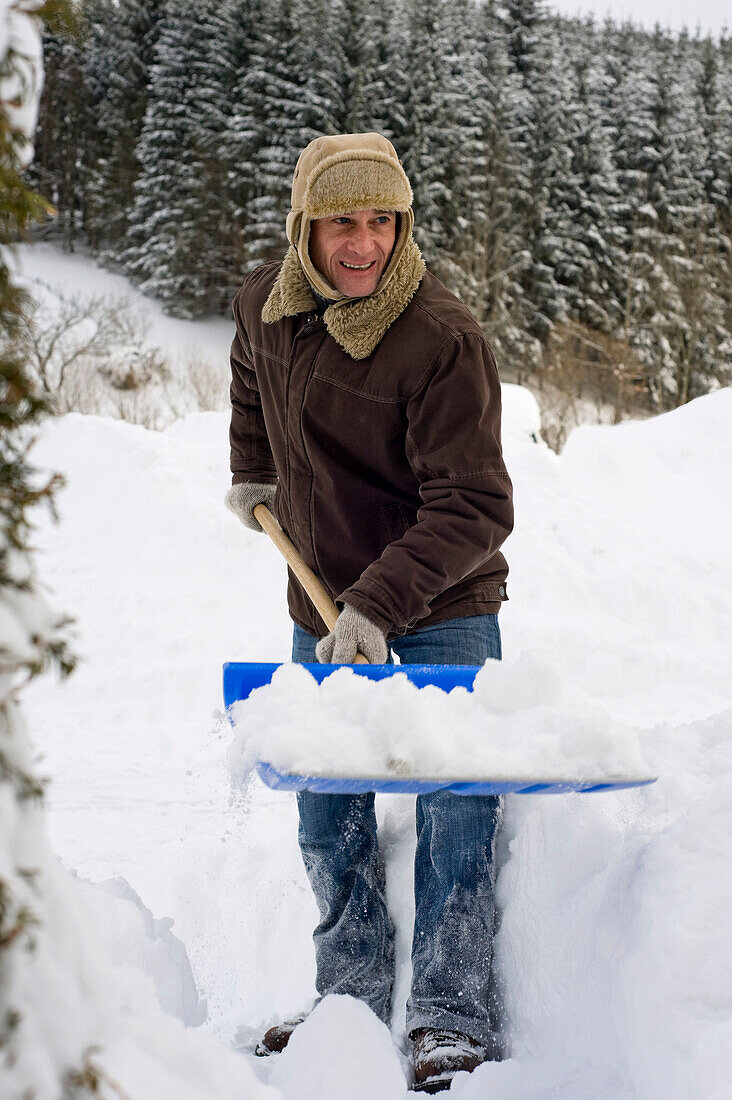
point(452, 946)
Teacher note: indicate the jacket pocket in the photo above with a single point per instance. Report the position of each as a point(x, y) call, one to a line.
point(492, 591)
point(395, 520)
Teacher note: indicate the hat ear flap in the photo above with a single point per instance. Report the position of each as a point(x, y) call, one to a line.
point(292, 226)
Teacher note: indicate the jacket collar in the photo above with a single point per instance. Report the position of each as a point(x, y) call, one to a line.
point(357, 324)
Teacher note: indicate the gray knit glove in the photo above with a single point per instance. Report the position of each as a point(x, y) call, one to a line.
point(242, 498)
point(353, 631)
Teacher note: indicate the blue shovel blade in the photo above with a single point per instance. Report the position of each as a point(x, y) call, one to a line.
point(241, 678)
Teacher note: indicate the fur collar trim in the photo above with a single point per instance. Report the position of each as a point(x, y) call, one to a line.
point(357, 324)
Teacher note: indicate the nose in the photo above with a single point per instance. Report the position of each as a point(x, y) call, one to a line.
point(360, 240)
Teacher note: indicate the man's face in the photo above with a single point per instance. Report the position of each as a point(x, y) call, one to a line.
point(363, 238)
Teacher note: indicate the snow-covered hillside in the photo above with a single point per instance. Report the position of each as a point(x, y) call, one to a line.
point(613, 945)
point(41, 265)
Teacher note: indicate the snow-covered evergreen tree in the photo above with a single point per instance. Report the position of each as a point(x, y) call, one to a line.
point(120, 40)
point(360, 37)
point(713, 86)
point(715, 100)
point(176, 217)
point(541, 124)
point(242, 135)
point(215, 91)
point(590, 236)
point(352, 47)
point(462, 151)
point(313, 62)
point(660, 156)
point(627, 100)
point(698, 259)
point(31, 636)
point(65, 128)
point(423, 128)
point(287, 101)
point(500, 193)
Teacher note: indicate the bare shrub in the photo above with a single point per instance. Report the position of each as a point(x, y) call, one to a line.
point(57, 335)
point(208, 382)
point(139, 407)
point(131, 366)
point(84, 391)
point(89, 354)
point(560, 415)
point(588, 376)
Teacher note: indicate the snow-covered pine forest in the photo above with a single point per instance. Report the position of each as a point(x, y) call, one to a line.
point(572, 180)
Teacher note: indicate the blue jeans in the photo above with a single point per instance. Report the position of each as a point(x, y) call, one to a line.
point(452, 946)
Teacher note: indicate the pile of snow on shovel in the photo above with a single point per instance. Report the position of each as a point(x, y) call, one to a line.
point(520, 721)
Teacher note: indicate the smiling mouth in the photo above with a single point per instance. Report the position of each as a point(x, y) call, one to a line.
point(357, 267)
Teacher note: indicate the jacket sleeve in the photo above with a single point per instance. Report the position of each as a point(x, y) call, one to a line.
point(251, 454)
point(453, 444)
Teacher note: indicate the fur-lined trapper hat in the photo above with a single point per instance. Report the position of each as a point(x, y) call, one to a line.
point(337, 174)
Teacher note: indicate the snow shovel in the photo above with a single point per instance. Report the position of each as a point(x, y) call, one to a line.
point(241, 678)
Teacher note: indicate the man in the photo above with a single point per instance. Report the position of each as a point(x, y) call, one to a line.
point(366, 414)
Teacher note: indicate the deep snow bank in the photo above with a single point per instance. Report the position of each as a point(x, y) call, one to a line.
point(615, 935)
point(85, 992)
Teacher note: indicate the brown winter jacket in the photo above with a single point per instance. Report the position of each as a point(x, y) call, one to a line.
point(390, 476)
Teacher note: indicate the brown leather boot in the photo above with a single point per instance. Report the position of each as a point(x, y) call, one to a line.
point(438, 1055)
point(276, 1038)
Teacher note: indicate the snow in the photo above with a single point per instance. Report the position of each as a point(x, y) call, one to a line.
point(623, 904)
point(41, 267)
point(615, 906)
point(519, 722)
point(83, 979)
point(342, 1049)
point(20, 91)
point(133, 938)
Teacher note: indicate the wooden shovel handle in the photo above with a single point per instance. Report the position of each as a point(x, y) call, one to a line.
point(313, 585)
